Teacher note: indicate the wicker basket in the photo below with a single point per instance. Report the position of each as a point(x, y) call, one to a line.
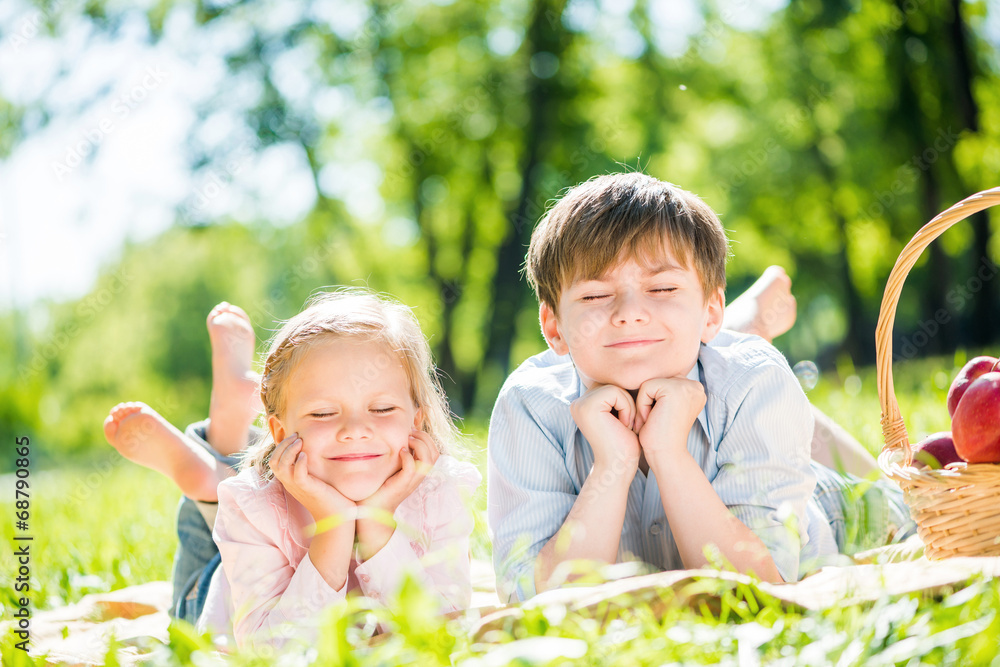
point(957, 509)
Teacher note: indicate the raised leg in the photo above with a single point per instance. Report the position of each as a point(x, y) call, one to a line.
point(235, 387)
point(837, 449)
point(766, 309)
point(143, 436)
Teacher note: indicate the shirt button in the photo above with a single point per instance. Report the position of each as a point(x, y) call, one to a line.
point(365, 578)
point(654, 529)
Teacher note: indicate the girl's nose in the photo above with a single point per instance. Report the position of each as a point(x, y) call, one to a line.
point(354, 427)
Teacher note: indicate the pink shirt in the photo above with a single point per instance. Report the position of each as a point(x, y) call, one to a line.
point(267, 580)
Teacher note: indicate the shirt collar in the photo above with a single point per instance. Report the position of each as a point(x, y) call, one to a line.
point(697, 374)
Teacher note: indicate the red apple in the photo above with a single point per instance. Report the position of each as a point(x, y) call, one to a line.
point(976, 424)
point(967, 376)
point(935, 451)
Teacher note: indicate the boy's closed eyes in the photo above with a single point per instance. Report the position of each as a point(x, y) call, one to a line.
point(590, 298)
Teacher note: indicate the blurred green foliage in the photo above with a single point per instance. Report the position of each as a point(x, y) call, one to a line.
point(824, 133)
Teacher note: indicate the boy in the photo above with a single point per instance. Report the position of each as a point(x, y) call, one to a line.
point(646, 432)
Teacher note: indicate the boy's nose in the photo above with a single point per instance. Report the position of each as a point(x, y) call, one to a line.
point(629, 309)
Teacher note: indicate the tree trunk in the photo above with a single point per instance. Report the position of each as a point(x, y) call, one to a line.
point(936, 283)
point(509, 290)
point(984, 322)
point(858, 343)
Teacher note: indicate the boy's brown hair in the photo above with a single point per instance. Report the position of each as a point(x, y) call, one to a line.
point(631, 214)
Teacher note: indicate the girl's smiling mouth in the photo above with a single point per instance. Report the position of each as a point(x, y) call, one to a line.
point(358, 456)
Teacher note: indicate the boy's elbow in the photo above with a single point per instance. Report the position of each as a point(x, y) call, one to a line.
point(540, 580)
point(541, 571)
point(767, 570)
point(517, 583)
point(773, 576)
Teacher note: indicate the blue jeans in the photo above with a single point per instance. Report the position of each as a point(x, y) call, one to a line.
point(197, 557)
point(862, 514)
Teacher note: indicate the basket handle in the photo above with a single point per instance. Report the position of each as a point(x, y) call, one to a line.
point(893, 428)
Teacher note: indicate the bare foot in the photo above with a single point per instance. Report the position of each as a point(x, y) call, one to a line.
point(235, 387)
point(143, 436)
point(767, 309)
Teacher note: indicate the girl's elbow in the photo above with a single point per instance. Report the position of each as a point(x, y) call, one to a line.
point(263, 638)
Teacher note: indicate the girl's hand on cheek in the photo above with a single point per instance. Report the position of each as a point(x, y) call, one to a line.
point(375, 513)
point(417, 458)
point(291, 467)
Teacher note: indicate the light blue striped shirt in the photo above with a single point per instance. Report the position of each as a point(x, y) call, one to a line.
point(752, 440)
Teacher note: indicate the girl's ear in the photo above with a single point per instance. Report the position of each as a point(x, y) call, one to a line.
point(550, 329)
point(715, 308)
point(277, 428)
point(418, 419)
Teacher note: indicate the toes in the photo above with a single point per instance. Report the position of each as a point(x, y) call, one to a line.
point(123, 410)
point(216, 311)
point(110, 428)
point(237, 311)
point(215, 319)
point(227, 323)
point(132, 408)
point(774, 270)
point(226, 308)
point(120, 410)
point(776, 274)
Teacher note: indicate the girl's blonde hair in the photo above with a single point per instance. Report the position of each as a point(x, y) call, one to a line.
point(355, 314)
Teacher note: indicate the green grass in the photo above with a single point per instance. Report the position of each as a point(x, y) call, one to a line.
point(111, 524)
point(95, 528)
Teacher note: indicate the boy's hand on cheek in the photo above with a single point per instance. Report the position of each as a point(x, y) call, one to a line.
point(375, 513)
point(290, 467)
point(666, 410)
point(609, 433)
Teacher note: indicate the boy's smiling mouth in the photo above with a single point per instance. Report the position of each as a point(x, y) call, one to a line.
point(634, 342)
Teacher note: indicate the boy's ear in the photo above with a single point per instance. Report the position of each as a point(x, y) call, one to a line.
point(550, 329)
point(715, 306)
point(277, 428)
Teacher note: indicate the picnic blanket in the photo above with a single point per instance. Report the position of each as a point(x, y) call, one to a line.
point(79, 634)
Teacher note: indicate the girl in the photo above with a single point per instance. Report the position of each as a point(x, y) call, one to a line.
point(352, 485)
point(355, 485)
